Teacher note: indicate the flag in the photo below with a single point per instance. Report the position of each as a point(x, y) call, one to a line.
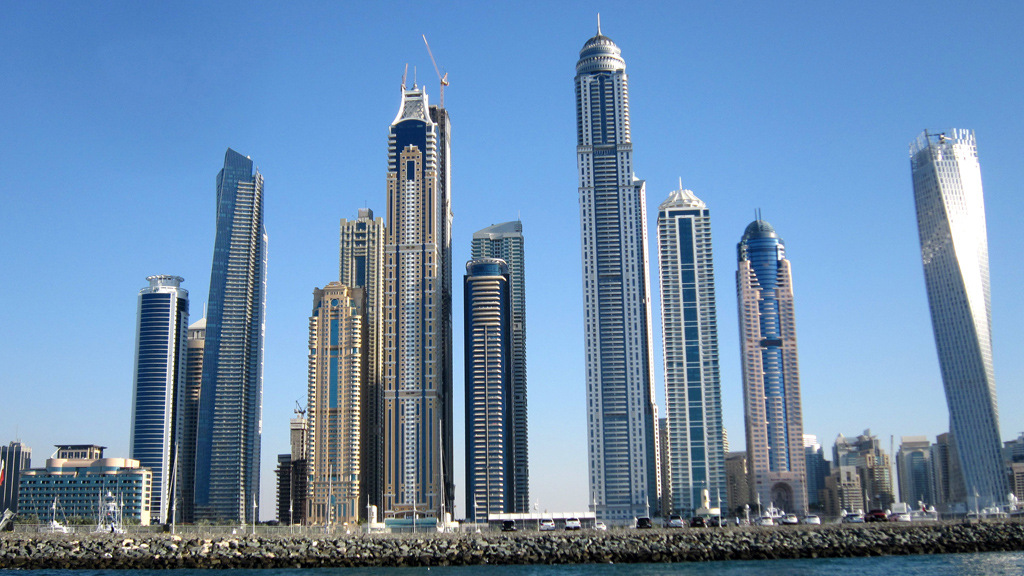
point(3, 471)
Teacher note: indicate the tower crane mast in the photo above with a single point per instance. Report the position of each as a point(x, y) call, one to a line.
point(443, 79)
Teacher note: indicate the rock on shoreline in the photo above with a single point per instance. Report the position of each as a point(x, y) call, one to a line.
point(692, 545)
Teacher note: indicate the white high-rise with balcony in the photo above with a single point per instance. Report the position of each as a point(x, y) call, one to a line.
point(621, 415)
point(954, 249)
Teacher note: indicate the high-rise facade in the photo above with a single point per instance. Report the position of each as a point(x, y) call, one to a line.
point(361, 250)
point(818, 469)
point(230, 422)
point(15, 457)
point(488, 392)
point(158, 390)
point(914, 469)
point(873, 464)
point(416, 313)
point(622, 420)
point(771, 373)
point(337, 377)
point(954, 249)
point(689, 332)
point(190, 421)
point(505, 241)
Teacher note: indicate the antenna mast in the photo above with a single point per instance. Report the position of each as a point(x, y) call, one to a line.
point(404, 74)
point(443, 79)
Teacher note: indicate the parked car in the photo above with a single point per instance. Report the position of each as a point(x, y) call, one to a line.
point(717, 522)
point(644, 523)
point(598, 525)
point(508, 526)
point(811, 519)
point(900, 517)
point(876, 516)
point(853, 518)
point(547, 525)
point(764, 521)
point(789, 520)
point(675, 521)
point(573, 524)
point(698, 522)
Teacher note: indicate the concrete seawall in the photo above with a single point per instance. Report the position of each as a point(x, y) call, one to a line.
point(687, 545)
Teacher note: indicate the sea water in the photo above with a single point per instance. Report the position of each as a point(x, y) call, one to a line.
point(982, 564)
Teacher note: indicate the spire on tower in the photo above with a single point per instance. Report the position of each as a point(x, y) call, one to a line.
point(598, 23)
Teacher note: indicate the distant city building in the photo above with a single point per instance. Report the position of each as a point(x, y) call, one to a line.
point(77, 478)
point(622, 419)
point(843, 491)
point(292, 484)
point(230, 424)
point(873, 464)
point(914, 470)
point(158, 391)
point(505, 241)
point(818, 469)
point(737, 481)
point(664, 470)
point(771, 373)
point(1017, 480)
point(15, 458)
point(954, 250)
point(950, 491)
point(190, 421)
point(689, 334)
point(337, 377)
point(361, 265)
point(416, 313)
point(488, 393)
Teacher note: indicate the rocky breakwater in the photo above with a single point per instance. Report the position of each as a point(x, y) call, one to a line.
point(165, 551)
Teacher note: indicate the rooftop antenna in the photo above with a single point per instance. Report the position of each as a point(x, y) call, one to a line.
point(414, 84)
point(598, 23)
point(404, 74)
point(680, 183)
point(443, 79)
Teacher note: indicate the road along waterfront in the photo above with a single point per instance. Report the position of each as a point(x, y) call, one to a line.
point(49, 551)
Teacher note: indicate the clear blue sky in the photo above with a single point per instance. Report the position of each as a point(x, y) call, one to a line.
point(114, 119)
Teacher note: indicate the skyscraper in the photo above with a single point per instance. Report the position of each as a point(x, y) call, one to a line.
point(361, 250)
point(337, 356)
point(158, 391)
point(622, 418)
point(416, 312)
point(505, 241)
point(15, 457)
point(954, 249)
point(873, 464)
point(488, 375)
point(231, 403)
point(689, 324)
point(771, 373)
point(914, 468)
point(190, 421)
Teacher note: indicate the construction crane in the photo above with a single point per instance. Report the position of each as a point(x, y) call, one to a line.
point(443, 79)
point(299, 410)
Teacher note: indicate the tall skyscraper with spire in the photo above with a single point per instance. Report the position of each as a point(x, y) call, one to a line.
point(689, 324)
point(361, 251)
point(505, 242)
point(954, 250)
point(158, 393)
point(416, 312)
point(227, 482)
point(771, 373)
point(622, 417)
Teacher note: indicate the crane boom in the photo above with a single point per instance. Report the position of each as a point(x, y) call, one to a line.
point(443, 79)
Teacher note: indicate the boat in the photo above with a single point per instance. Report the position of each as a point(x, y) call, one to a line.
point(54, 526)
point(109, 518)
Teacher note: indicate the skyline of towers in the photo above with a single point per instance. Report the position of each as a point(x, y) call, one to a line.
point(693, 398)
point(338, 343)
point(416, 313)
point(505, 241)
point(231, 401)
point(622, 419)
point(950, 208)
point(158, 390)
point(190, 420)
point(488, 388)
point(361, 251)
point(771, 373)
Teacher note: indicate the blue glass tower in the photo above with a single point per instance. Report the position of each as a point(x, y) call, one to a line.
point(231, 400)
point(771, 374)
point(489, 388)
point(158, 396)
